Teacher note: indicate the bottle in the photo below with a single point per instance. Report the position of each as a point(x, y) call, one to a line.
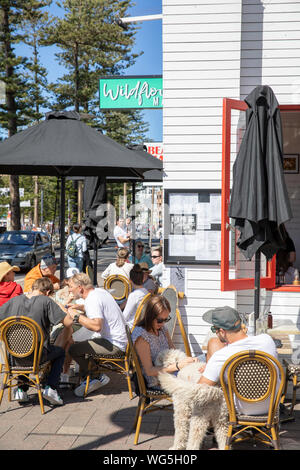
point(270, 320)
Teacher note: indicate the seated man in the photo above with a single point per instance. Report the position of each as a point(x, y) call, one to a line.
point(38, 306)
point(230, 340)
point(157, 270)
point(46, 268)
point(103, 318)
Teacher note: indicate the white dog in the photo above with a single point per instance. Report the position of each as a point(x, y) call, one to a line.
point(196, 407)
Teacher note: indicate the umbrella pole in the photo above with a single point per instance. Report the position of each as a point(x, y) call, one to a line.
point(256, 288)
point(62, 226)
point(95, 262)
point(133, 223)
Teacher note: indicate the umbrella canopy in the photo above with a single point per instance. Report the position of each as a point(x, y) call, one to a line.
point(259, 199)
point(64, 145)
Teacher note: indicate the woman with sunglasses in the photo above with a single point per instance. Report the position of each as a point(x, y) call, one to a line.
point(150, 337)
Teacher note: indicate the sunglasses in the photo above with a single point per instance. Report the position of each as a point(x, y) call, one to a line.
point(140, 246)
point(155, 256)
point(214, 329)
point(163, 320)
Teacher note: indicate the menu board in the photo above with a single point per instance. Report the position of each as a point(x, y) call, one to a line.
point(192, 226)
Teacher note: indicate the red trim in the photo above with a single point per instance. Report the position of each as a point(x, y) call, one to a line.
point(267, 281)
point(286, 288)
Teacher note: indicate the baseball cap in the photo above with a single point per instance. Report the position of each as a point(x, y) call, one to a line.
point(47, 261)
point(71, 272)
point(226, 318)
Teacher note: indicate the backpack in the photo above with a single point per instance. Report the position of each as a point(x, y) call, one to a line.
point(72, 249)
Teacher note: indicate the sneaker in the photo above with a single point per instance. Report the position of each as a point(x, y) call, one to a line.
point(21, 396)
point(93, 385)
point(52, 396)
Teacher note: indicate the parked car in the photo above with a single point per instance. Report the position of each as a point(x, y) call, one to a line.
point(24, 248)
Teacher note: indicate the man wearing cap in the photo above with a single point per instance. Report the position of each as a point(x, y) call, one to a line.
point(46, 268)
point(8, 287)
point(231, 339)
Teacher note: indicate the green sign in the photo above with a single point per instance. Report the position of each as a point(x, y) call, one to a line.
point(131, 92)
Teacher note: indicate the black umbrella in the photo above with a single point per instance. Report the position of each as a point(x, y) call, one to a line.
point(259, 200)
point(63, 145)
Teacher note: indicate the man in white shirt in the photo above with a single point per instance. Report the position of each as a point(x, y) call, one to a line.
point(121, 236)
point(104, 318)
point(232, 339)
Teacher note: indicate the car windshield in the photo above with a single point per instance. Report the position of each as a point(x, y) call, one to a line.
point(11, 238)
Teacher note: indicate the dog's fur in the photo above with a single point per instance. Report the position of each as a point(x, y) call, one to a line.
point(196, 406)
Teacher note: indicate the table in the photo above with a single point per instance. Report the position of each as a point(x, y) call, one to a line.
point(282, 332)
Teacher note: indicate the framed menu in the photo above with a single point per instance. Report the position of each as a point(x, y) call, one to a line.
point(192, 226)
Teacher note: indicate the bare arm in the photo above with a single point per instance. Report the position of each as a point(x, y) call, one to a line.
point(143, 350)
point(204, 380)
point(93, 324)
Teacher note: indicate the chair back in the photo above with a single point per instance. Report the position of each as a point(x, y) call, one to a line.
point(135, 364)
point(120, 285)
point(140, 310)
point(252, 377)
point(90, 272)
point(171, 294)
point(23, 341)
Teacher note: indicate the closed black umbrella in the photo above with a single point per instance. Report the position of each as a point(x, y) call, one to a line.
point(259, 201)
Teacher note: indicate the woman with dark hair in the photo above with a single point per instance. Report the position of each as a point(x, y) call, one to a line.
point(136, 296)
point(150, 337)
point(75, 248)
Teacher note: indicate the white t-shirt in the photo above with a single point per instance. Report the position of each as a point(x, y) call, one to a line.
point(119, 232)
point(100, 304)
point(213, 367)
point(114, 269)
point(132, 304)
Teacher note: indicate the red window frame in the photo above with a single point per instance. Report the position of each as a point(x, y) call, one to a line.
point(269, 280)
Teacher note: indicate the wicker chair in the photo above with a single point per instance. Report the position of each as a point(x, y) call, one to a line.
point(22, 340)
point(148, 399)
point(118, 362)
point(171, 294)
point(119, 286)
point(292, 373)
point(252, 376)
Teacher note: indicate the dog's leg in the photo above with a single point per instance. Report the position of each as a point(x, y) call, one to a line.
point(220, 425)
point(198, 426)
point(182, 415)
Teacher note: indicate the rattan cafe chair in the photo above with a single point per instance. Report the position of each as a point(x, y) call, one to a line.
point(119, 287)
point(148, 399)
point(115, 362)
point(22, 339)
point(252, 377)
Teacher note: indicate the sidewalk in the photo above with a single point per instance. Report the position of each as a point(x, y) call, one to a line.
point(101, 421)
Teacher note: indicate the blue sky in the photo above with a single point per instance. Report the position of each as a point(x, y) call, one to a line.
point(148, 40)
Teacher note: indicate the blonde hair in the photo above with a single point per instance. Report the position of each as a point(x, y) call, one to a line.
point(122, 255)
point(82, 279)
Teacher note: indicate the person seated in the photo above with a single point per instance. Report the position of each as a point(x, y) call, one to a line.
point(8, 287)
point(64, 296)
point(231, 339)
point(285, 272)
point(103, 318)
point(149, 282)
point(150, 337)
point(136, 296)
point(140, 256)
point(46, 268)
point(157, 269)
point(40, 307)
point(121, 266)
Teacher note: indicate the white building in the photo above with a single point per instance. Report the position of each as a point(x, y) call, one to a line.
point(213, 49)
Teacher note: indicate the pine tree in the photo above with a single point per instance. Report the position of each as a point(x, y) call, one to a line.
point(17, 111)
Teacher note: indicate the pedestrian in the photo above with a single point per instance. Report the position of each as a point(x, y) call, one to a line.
point(121, 236)
point(76, 246)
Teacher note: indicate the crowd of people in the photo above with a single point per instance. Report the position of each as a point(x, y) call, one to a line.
point(79, 320)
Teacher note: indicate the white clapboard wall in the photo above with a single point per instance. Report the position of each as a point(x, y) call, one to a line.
point(214, 49)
